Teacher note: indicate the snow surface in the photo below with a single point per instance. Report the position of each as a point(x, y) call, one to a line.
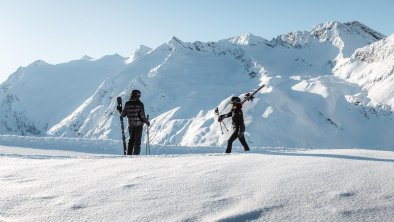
point(268, 184)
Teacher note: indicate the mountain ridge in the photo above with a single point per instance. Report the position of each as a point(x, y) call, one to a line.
point(182, 82)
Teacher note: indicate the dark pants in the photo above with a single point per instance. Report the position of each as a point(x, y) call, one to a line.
point(234, 136)
point(134, 146)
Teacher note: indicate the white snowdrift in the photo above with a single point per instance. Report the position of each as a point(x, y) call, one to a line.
point(272, 185)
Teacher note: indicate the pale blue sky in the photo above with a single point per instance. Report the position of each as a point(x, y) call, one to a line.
point(59, 31)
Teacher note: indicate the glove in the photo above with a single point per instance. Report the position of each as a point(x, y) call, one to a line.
point(221, 117)
point(119, 108)
point(148, 124)
point(241, 134)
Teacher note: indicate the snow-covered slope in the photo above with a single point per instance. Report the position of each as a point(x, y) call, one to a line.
point(304, 104)
point(268, 185)
point(36, 97)
point(372, 68)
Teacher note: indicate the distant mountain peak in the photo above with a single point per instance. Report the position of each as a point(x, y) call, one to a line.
point(176, 43)
point(142, 48)
point(295, 39)
point(140, 51)
point(38, 63)
point(359, 25)
point(333, 29)
point(347, 37)
point(247, 39)
point(115, 56)
point(86, 57)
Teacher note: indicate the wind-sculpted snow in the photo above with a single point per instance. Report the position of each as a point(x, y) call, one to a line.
point(303, 103)
point(271, 185)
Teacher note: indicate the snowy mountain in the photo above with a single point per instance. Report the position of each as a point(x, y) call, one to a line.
point(372, 68)
point(36, 97)
point(312, 83)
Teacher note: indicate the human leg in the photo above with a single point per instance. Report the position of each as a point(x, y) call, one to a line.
point(231, 140)
point(244, 144)
point(137, 141)
point(130, 145)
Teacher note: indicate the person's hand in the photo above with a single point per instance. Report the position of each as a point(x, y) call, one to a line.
point(220, 119)
point(148, 124)
point(240, 134)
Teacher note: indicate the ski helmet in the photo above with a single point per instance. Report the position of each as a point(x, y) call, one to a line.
point(235, 100)
point(136, 93)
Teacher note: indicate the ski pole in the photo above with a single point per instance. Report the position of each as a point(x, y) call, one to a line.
point(224, 125)
point(221, 122)
point(148, 141)
point(147, 147)
point(221, 129)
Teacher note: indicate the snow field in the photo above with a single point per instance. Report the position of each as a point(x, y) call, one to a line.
point(272, 185)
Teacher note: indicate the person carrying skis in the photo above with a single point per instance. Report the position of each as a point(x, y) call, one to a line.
point(238, 124)
point(134, 110)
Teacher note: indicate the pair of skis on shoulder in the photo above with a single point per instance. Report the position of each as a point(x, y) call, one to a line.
point(248, 97)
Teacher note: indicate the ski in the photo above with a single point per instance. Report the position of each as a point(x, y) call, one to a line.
point(250, 96)
point(120, 108)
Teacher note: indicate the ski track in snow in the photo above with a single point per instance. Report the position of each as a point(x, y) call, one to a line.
point(264, 185)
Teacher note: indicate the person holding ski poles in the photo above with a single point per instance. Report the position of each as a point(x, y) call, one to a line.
point(238, 124)
point(134, 110)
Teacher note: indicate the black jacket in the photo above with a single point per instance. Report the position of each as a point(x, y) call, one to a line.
point(237, 116)
point(135, 112)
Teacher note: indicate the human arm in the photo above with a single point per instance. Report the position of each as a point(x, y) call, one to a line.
point(142, 115)
point(221, 117)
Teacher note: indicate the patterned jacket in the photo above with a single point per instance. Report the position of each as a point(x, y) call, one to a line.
point(134, 110)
